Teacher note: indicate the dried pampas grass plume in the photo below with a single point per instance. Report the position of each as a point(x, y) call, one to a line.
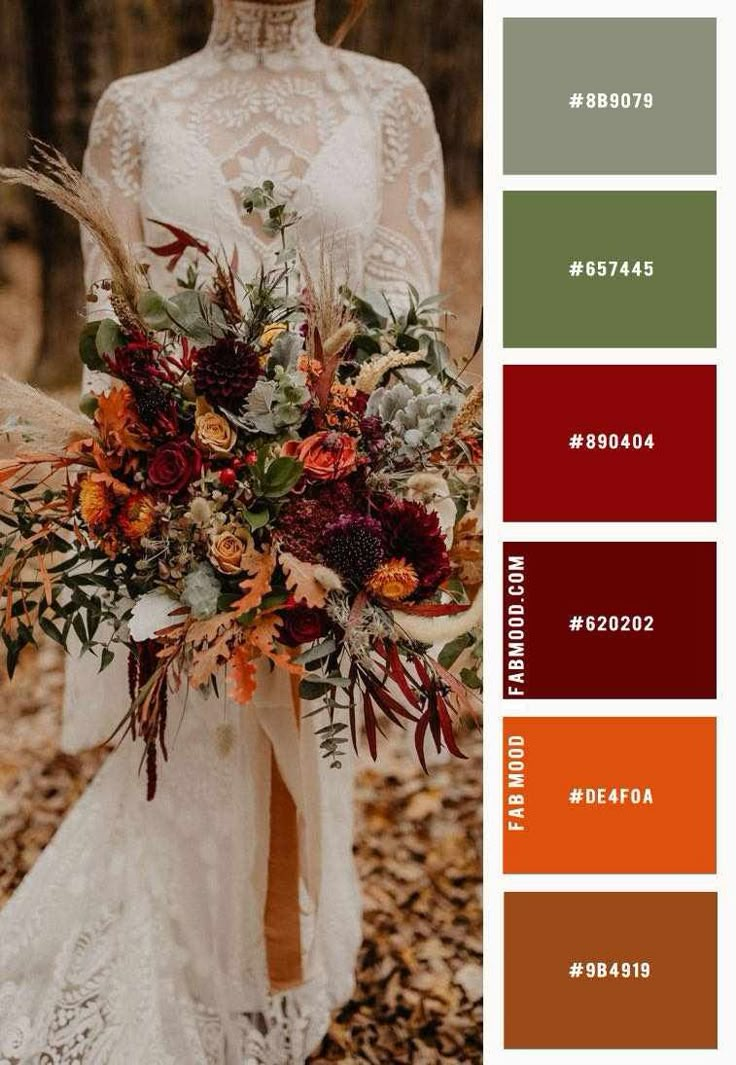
point(51, 176)
point(38, 417)
point(327, 312)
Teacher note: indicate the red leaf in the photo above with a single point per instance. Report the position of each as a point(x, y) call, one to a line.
point(369, 717)
point(176, 248)
point(423, 674)
point(351, 701)
point(434, 610)
point(419, 735)
point(434, 719)
point(398, 674)
point(390, 706)
point(448, 734)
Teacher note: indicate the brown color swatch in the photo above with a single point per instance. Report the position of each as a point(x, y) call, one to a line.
point(674, 932)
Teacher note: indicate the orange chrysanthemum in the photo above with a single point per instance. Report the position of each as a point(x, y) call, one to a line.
point(96, 503)
point(137, 516)
point(394, 580)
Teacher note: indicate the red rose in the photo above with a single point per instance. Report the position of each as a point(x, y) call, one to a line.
point(302, 624)
point(174, 466)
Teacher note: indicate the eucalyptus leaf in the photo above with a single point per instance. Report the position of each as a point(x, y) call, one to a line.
point(452, 651)
point(47, 626)
point(88, 352)
point(189, 313)
point(312, 689)
point(153, 311)
point(88, 404)
point(109, 336)
point(106, 659)
point(470, 679)
point(314, 654)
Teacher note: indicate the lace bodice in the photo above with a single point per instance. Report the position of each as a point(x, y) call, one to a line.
point(350, 140)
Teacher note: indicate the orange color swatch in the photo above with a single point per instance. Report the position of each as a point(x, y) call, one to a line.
point(609, 795)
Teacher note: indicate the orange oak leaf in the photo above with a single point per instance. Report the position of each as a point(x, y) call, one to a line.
point(207, 661)
point(242, 676)
point(262, 636)
point(258, 585)
point(207, 630)
point(301, 581)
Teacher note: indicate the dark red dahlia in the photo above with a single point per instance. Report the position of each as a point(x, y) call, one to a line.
point(413, 533)
point(354, 547)
point(226, 372)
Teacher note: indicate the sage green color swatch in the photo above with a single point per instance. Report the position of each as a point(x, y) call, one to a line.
point(547, 60)
point(545, 232)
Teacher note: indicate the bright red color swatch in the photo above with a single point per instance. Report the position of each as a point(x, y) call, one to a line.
point(610, 443)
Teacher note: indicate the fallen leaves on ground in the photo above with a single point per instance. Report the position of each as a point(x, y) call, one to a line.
point(418, 990)
point(419, 981)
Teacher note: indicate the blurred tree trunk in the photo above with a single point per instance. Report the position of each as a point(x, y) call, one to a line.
point(56, 57)
point(62, 49)
point(441, 41)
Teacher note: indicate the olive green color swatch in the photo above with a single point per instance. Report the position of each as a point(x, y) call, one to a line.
point(610, 96)
point(652, 257)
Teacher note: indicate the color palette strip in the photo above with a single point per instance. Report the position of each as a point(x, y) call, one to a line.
point(609, 795)
point(609, 620)
point(609, 96)
point(609, 443)
point(609, 269)
point(607, 970)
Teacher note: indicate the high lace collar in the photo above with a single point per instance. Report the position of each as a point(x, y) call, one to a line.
point(254, 26)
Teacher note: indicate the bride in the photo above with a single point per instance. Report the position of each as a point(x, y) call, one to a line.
point(160, 934)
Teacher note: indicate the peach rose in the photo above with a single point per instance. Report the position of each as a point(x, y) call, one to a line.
point(214, 433)
point(325, 456)
point(227, 550)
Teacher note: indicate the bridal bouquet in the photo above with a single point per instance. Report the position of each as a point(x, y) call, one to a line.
point(270, 473)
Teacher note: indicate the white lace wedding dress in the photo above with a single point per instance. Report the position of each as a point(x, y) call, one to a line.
point(138, 938)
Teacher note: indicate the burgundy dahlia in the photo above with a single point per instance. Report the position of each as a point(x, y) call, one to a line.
point(226, 372)
point(354, 547)
point(413, 533)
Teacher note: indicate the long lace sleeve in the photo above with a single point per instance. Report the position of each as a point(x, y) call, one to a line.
point(112, 163)
point(408, 240)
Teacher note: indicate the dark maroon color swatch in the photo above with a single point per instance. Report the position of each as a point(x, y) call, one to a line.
point(609, 620)
point(609, 443)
